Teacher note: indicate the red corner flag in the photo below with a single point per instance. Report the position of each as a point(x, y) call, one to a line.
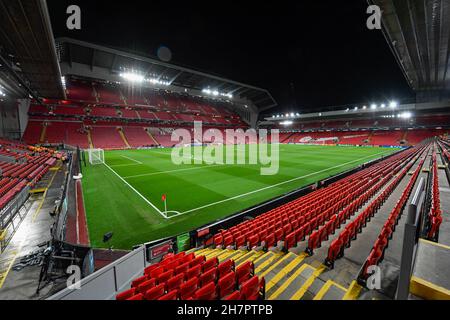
point(163, 197)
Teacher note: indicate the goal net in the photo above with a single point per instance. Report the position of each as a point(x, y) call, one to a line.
point(96, 156)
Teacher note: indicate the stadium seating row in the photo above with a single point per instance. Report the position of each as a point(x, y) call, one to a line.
point(187, 277)
point(435, 213)
point(291, 223)
point(350, 232)
point(377, 253)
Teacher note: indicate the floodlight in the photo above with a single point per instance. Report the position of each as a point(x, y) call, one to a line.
point(132, 77)
point(383, 106)
point(373, 107)
point(393, 104)
point(286, 123)
point(364, 108)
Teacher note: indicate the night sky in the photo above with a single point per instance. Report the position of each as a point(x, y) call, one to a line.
point(308, 54)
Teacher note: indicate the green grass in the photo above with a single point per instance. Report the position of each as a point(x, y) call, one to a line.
point(203, 193)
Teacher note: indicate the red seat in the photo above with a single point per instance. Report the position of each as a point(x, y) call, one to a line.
point(234, 296)
point(225, 267)
point(182, 268)
point(137, 297)
point(279, 235)
point(175, 282)
point(253, 241)
point(270, 241)
point(156, 272)
point(228, 241)
point(210, 264)
point(253, 288)
point(138, 281)
point(209, 276)
point(126, 294)
point(194, 272)
point(226, 284)
point(155, 293)
point(146, 285)
point(162, 278)
point(150, 269)
point(244, 272)
point(172, 295)
point(240, 241)
point(188, 288)
point(290, 241)
point(187, 258)
point(208, 292)
point(197, 261)
point(218, 240)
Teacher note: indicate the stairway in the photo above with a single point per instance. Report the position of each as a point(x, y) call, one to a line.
point(151, 137)
point(43, 134)
point(89, 136)
point(122, 135)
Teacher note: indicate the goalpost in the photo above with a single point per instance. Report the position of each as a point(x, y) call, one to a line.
point(96, 156)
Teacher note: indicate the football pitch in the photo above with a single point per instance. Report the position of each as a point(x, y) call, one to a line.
point(125, 194)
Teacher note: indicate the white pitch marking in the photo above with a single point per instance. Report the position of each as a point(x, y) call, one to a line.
point(132, 159)
point(171, 171)
point(271, 186)
point(137, 192)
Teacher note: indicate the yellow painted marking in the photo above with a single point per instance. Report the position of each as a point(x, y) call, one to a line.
point(301, 292)
point(276, 264)
point(251, 258)
point(2, 235)
point(263, 256)
point(286, 284)
point(245, 256)
point(323, 290)
point(238, 255)
point(285, 271)
point(38, 210)
point(40, 190)
point(428, 290)
point(353, 291)
point(226, 254)
point(435, 244)
point(268, 262)
point(213, 254)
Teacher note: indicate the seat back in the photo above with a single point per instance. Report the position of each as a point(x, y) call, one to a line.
point(225, 267)
point(226, 284)
point(207, 292)
point(155, 293)
point(172, 295)
point(209, 276)
point(245, 272)
point(175, 282)
point(188, 288)
point(126, 294)
point(210, 264)
point(146, 285)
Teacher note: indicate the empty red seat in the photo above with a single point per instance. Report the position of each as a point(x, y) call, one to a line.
point(228, 241)
point(207, 292)
point(175, 282)
point(187, 258)
point(182, 268)
point(197, 261)
point(146, 285)
point(188, 288)
point(225, 267)
point(155, 293)
point(150, 269)
point(240, 241)
point(245, 271)
point(234, 296)
point(156, 272)
point(226, 284)
point(138, 281)
point(253, 289)
point(194, 272)
point(126, 294)
point(290, 241)
point(137, 297)
point(210, 264)
point(209, 276)
point(162, 278)
point(253, 241)
point(270, 241)
point(172, 295)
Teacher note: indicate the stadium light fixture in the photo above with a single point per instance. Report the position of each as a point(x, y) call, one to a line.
point(373, 106)
point(365, 107)
point(298, 114)
point(63, 82)
point(292, 115)
point(393, 104)
point(383, 106)
point(286, 123)
point(133, 77)
point(405, 115)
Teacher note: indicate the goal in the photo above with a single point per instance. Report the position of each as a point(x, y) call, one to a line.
point(96, 156)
